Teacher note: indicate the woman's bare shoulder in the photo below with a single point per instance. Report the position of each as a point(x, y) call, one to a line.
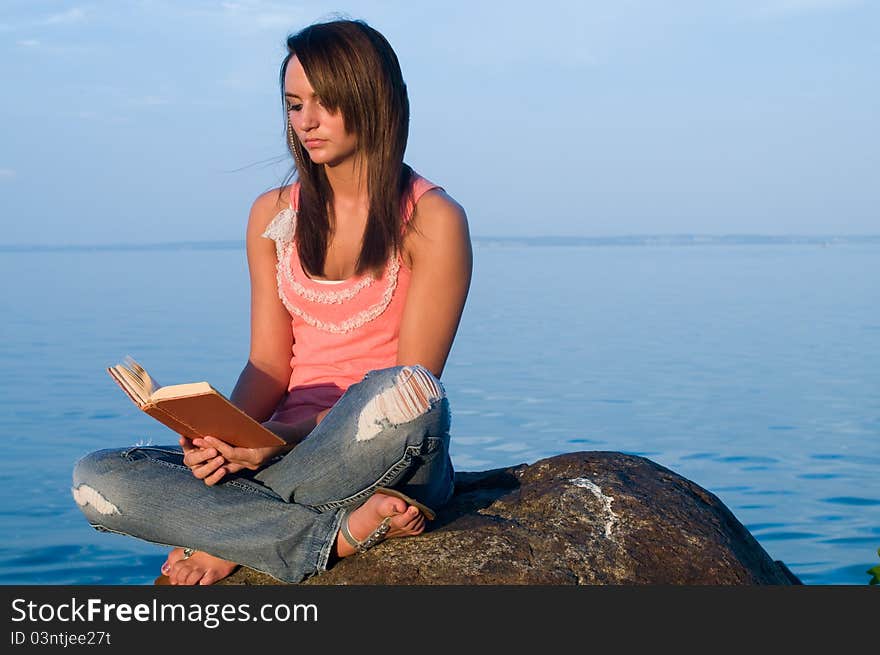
point(437, 212)
point(439, 222)
point(266, 206)
point(436, 201)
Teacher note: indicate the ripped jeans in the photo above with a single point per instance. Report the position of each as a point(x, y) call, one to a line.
point(390, 429)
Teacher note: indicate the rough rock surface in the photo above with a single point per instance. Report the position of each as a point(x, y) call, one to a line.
point(585, 518)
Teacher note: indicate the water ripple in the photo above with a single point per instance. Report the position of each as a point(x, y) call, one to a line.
point(852, 500)
point(700, 456)
point(787, 536)
point(851, 540)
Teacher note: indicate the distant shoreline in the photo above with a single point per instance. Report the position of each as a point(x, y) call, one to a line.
point(505, 241)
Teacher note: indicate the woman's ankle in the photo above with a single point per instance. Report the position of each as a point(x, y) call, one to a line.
point(362, 524)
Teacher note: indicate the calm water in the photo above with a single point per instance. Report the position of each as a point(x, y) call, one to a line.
point(750, 369)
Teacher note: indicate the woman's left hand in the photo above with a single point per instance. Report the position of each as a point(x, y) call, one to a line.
point(230, 459)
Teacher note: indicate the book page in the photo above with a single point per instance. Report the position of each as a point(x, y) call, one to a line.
point(148, 383)
point(123, 384)
point(182, 391)
point(131, 383)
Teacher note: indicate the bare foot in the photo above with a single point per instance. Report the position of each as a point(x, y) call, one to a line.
point(408, 521)
point(200, 569)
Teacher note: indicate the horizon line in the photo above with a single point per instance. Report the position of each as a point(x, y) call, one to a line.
point(677, 238)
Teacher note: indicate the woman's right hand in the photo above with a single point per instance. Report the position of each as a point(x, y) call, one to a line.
point(210, 459)
point(203, 462)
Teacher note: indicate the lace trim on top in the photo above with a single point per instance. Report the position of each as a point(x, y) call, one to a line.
point(281, 230)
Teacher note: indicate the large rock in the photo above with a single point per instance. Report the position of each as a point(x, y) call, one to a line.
point(581, 518)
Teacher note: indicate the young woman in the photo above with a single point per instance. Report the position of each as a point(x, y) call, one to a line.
point(359, 273)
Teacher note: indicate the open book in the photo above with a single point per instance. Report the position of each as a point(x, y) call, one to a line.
point(193, 410)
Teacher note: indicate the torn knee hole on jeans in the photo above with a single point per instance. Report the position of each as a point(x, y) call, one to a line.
point(85, 495)
point(411, 395)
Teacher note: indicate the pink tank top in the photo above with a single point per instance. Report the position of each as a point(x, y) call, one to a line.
point(340, 331)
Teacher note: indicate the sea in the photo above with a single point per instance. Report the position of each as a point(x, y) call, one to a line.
point(748, 364)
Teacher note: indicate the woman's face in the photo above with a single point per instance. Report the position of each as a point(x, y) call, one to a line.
point(321, 132)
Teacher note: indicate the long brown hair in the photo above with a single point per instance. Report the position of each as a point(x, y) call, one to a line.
point(354, 70)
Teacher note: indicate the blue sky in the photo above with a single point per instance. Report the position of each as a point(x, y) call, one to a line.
point(159, 120)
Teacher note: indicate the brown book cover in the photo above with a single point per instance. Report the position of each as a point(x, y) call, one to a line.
point(192, 410)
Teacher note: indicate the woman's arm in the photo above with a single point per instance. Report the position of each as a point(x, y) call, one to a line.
point(438, 246)
point(264, 379)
